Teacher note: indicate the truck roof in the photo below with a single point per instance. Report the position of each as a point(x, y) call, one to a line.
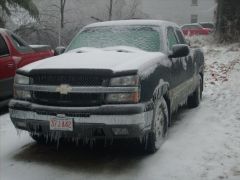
point(132, 22)
point(2, 30)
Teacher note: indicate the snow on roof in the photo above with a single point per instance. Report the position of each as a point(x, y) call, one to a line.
point(2, 30)
point(131, 22)
point(192, 24)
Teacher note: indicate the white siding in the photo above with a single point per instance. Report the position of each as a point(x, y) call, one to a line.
point(179, 11)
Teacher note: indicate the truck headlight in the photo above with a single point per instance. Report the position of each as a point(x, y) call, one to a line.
point(125, 81)
point(20, 79)
point(123, 98)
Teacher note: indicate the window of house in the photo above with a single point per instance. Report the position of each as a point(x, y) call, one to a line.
point(4, 51)
point(194, 18)
point(194, 2)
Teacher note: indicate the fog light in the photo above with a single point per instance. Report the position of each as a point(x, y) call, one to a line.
point(21, 124)
point(120, 131)
point(21, 94)
point(123, 98)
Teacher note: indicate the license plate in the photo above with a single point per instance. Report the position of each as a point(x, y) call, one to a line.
point(61, 124)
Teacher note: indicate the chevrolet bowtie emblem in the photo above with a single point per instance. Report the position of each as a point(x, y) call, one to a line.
point(64, 89)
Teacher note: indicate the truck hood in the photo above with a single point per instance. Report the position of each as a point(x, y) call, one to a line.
point(115, 59)
point(40, 48)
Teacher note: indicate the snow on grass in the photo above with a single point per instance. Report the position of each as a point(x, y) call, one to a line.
point(203, 144)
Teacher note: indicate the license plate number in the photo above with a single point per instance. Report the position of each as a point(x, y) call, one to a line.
point(61, 124)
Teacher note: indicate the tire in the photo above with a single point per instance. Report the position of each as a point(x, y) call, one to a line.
point(195, 99)
point(155, 138)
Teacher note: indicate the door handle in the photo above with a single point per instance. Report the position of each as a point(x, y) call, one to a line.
point(10, 65)
point(16, 59)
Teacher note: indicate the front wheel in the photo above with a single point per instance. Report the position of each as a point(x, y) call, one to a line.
point(194, 99)
point(155, 138)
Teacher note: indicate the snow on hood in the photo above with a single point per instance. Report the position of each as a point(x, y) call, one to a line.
point(116, 59)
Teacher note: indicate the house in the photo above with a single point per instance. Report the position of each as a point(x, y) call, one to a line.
point(180, 11)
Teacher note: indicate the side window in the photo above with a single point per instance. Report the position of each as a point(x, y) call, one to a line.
point(19, 44)
point(180, 36)
point(172, 40)
point(4, 51)
point(194, 2)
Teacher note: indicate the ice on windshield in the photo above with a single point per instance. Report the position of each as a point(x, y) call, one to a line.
point(143, 37)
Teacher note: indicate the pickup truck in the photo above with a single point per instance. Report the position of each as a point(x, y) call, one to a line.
point(15, 53)
point(115, 80)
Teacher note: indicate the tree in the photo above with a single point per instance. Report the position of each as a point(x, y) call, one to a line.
point(56, 25)
point(6, 5)
point(120, 10)
point(228, 20)
point(62, 23)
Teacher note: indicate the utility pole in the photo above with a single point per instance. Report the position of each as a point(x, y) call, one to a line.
point(61, 24)
point(110, 10)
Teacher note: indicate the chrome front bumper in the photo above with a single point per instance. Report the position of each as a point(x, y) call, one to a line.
point(137, 119)
point(36, 121)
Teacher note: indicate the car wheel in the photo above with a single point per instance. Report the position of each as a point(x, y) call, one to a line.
point(155, 138)
point(194, 99)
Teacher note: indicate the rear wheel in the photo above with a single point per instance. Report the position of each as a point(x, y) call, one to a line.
point(155, 138)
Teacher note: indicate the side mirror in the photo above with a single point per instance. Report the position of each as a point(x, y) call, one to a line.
point(179, 50)
point(59, 50)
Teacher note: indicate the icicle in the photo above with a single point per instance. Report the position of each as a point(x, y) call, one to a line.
point(146, 141)
point(111, 141)
point(141, 139)
point(57, 137)
point(105, 142)
point(19, 132)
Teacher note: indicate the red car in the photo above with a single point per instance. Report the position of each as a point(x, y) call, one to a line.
point(195, 29)
point(15, 53)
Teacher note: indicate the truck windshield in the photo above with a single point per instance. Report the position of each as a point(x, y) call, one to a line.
point(143, 37)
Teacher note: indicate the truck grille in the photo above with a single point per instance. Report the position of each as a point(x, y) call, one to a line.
point(74, 80)
point(71, 99)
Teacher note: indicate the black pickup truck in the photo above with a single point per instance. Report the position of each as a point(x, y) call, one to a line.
point(116, 80)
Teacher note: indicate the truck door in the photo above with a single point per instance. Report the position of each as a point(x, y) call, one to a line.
point(187, 62)
point(7, 70)
point(177, 68)
point(177, 71)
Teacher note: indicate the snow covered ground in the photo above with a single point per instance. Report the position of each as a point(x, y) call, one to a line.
point(203, 144)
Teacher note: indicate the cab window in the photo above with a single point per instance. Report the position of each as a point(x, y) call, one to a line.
point(180, 36)
point(19, 44)
point(172, 39)
point(4, 51)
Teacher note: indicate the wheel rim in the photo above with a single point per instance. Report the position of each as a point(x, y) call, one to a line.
point(159, 126)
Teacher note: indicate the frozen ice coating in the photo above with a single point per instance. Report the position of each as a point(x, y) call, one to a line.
point(202, 144)
point(123, 52)
point(103, 59)
point(131, 22)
